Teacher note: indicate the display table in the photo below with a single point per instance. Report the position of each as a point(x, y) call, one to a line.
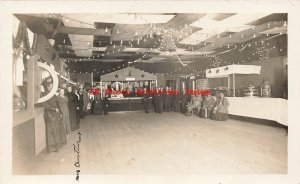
point(275, 109)
point(128, 104)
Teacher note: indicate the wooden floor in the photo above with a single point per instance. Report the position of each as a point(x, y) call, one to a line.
point(168, 143)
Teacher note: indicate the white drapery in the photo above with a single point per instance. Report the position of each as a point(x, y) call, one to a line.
point(275, 109)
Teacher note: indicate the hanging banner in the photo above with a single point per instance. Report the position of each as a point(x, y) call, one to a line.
point(224, 71)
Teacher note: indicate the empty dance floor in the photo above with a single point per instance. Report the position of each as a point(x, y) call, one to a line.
point(169, 143)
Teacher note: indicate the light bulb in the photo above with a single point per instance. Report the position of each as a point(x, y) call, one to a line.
point(106, 29)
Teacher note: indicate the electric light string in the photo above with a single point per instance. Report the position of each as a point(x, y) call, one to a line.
point(217, 60)
point(155, 27)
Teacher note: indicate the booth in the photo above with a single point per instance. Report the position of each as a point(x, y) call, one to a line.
point(126, 79)
point(274, 109)
point(231, 71)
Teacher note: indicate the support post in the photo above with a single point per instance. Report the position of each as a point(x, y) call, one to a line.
point(101, 88)
point(233, 84)
point(30, 84)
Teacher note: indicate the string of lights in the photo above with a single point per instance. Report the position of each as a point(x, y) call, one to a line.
point(167, 33)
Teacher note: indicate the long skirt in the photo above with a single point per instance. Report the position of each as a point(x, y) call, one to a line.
point(73, 118)
point(55, 131)
point(66, 121)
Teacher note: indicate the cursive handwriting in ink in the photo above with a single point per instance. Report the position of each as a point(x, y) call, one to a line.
point(76, 149)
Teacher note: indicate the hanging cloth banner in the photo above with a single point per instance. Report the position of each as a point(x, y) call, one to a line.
point(224, 71)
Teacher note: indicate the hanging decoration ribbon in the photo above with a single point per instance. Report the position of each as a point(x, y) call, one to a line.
point(184, 64)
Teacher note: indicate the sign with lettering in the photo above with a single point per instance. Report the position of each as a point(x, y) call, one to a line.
point(201, 83)
point(130, 79)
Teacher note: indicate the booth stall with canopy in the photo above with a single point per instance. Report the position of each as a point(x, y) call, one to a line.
point(126, 78)
point(232, 70)
point(274, 109)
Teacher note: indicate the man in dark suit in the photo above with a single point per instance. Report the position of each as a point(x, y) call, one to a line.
point(168, 97)
point(106, 105)
point(176, 101)
point(72, 105)
point(145, 100)
point(158, 100)
point(184, 100)
point(81, 102)
point(164, 97)
point(208, 106)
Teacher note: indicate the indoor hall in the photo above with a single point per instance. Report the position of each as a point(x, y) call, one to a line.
point(150, 94)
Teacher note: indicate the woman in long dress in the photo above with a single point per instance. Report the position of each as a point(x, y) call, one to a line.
point(55, 132)
point(63, 105)
point(220, 112)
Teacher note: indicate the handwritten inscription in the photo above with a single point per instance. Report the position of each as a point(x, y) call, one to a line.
point(76, 148)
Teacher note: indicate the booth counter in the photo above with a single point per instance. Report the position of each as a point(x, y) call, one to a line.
point(275, 109)
point(128, 104)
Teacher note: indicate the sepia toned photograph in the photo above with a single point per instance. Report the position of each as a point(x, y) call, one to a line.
point(149, 92)
point(138, 93)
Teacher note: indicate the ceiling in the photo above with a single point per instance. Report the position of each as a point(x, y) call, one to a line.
point(128, 39)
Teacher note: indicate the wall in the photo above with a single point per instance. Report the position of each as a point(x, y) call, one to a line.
point(217, 82)
point(23, 146)
point(84, 77)
point(161, 80)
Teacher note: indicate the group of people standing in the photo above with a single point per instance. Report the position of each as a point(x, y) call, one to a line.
point(62, 114)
